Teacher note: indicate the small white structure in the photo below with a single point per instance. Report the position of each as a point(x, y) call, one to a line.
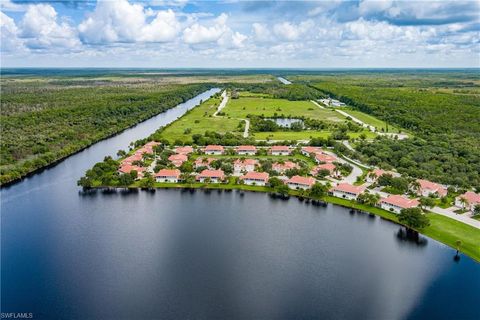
point(468, 200)
point(347, 191)
point(168, 175)
point(395, 203)
point(255, 178)
point(299, 182)
point(332, 102)
point(246, 150)
point(280, 150)
point(214, 149)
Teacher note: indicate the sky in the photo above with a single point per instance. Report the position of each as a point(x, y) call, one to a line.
point(240, 34)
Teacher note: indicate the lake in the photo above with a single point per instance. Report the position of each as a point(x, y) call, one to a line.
point(174, 254)
point(285, 122)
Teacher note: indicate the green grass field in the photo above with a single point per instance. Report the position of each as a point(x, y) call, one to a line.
point(199, 120)
point(371, 120)
point(240, 108)
point(304, 135)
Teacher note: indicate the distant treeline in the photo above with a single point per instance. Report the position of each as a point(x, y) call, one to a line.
point(42, 123)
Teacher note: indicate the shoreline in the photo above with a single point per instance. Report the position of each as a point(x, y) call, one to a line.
point(432, 232)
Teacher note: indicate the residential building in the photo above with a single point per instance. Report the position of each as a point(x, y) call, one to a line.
point(168, 175)
point(255, 178)
point(324, 158)
point(307, 151)
point(213, 176)
point(299, 182)
point(396, 203)
point(347, 191)
point(377, 173)
point(280, 150)
point(246, 165)
point(470, 200)
point(127, 168)
point(246, 150)
point(431, 188)
point(184, 150)
point(326, 166)
point(177, 159)
point(214, 149)
point(203, 162)
point(282, 167)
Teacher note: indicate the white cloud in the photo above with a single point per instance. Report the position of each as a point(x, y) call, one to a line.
point(9, 35)
point(261, 32)
point(198, 33)
point(122, 22)
point(42, 30)
point(290, 32)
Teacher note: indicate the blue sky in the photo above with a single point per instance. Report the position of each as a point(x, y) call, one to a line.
point(278, 34)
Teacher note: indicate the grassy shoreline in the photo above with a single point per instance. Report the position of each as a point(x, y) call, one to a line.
point(441, 229)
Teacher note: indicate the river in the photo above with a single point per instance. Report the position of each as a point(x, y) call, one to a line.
point(175, 254)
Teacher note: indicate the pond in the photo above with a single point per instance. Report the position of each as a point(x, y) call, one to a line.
point(285, 122)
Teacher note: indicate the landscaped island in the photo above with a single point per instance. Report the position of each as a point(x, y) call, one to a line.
point(216, 145)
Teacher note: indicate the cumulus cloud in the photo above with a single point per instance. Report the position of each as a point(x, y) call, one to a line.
point(290, 32)
point(261, 33)
point(198, 33)
point(121, 21)
point(42, 29)
point(9, 34)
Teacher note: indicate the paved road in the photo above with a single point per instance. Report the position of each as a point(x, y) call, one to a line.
point(222, 104)
point(317, 104)
point(247, 126)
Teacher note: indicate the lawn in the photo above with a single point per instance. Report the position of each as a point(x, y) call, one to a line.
point(199, 120)
point(370, 120)
point(304, 135)
point(240, 108)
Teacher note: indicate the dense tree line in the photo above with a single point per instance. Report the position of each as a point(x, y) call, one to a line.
point(446, 125)
point(42, 123)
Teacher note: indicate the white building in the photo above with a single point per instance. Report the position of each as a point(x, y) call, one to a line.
point(167, 175)
point(395, 203)
point(255, 178)
point(347, 191)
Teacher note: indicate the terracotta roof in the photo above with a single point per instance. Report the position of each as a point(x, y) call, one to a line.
point(211, 174)
point(204, 161)
point(178, 157)
point(346, 187)
point(277, 166)
point(184, 150)
point(326, 166)
point(471, 197)
point(213, 147)
point(246, 162)
point(168, 173)
point(246, 148)
point(280, 148)
point(256, 176)
point(307, 181)
point(400, 201)
point(321, 157)
point(312, 149)
point(435, 187)
point(132, 158)
point(126, 168)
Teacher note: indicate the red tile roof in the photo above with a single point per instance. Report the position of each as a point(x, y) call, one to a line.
point(245, 162)
point(213, 147)
point(306, 181)
point(211, 174)
point(168, 173)
point(255, 176)
point(184, 150)
point(326, 166)
point(246, 148)
point(126, 168)
point(471, 197)
point(346, 187)
point(400, 201)
point(178, 157)
point(204, 161)
point(280, 148)
point(432, 186)
point(311, 149)
point(321, 157)
point(287, 165)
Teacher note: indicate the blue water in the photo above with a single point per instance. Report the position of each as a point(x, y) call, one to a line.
point(172, 254)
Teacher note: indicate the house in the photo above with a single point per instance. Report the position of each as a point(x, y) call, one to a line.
point(214, 149)
point(246, 150)
point(203, 162)
point(427, 188)
point(298, 182)
point(326, 166)
point(307, 151)
point(168, 175)
point(377, 173)
point(396, 203)
point(280, 150)
point(177, 159)
point(246, 165)
point(347, 191)
point(131, 159)
point(213, 176)
point(127, 168)
point(184, 150)
point(282, 167)
point(147, 148)
point(255, 178)
point(468, 200)
point(324, 158)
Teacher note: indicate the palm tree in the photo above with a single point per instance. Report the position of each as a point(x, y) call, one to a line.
point(458, 244)
point(415, 186)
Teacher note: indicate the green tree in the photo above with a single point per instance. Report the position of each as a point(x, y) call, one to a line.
point(427, 202)
point(413, 218)
point(318, 190)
